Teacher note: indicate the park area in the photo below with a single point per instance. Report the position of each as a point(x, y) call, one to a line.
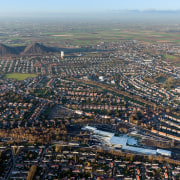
point(19, 76)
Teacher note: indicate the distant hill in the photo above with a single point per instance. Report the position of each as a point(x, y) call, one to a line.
point(37, 48)
point(33, 49)
point(6, 50)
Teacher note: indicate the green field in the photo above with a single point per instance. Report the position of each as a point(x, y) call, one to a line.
point(170, 57)
point(18, 76)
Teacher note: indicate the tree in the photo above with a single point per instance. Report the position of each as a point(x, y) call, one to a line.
point(32, 172)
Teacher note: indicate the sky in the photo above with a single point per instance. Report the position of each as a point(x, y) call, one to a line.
point(82, 6)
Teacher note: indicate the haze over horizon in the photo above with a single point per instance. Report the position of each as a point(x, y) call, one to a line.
point(21, 7)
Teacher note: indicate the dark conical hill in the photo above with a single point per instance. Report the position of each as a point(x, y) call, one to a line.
point(7, 50)
point(37, 48)
point(33, 49)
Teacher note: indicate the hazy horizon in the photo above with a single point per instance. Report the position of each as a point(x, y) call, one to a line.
point(113, 15)
point(17, 7)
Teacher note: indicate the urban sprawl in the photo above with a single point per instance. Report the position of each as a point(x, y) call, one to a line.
point(112, 112)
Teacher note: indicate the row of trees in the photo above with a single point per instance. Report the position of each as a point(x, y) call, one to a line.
point(32, 172)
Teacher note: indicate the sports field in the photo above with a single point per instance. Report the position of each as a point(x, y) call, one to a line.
point(18, 76)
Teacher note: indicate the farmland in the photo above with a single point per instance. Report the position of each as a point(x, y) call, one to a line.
point(80, 34)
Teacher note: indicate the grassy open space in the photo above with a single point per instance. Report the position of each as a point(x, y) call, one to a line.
point(170, 57)
point(18, 76)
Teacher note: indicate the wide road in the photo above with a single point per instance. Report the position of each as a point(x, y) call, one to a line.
point(12, 167)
